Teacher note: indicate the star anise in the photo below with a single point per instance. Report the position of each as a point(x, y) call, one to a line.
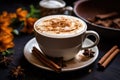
point(88, 53)
point(17, 73)
point(5, 61)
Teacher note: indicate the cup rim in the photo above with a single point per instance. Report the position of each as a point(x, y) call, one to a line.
point(61, 1)
point(61, 36)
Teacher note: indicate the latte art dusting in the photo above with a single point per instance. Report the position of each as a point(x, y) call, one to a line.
point(59, 25)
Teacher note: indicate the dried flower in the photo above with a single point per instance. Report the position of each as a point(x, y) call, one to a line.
point(21, 14)
point(28, 25)
point(28, 21)
point(6, 37)
point(24, 24)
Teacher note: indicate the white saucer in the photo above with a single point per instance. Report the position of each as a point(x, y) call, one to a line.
point(74, 64)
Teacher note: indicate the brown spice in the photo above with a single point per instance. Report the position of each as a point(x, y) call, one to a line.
point(5, 61)
point(107, 15)
point(88, 53)
point(17, 72)
point(107, 54)
point(45, 60)
point(105, 23)
point(109, 20)
point(58, 60)
point(59, 25)
point(117, 21)
point(107, 58)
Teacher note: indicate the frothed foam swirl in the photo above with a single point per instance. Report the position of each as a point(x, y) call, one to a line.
point(51, 4)
point(60, 25)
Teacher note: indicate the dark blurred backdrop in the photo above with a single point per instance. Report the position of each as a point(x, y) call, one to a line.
point(11, 5)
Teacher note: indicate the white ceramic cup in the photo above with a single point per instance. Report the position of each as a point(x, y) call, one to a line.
point(62, 41)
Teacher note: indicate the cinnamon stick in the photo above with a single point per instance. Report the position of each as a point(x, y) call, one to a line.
point(107, 54)
point(45, 60)
point(107, 15)
point(109, 59)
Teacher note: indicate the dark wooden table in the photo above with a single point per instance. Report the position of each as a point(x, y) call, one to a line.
point(112, 72)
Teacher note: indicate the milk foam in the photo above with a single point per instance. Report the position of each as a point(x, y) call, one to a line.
point(60, 26)
point(51, 4)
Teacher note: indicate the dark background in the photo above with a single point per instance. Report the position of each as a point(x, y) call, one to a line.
point(112, 72)
point(6, 4)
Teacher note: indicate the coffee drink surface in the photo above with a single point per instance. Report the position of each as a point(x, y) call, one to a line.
point(59, 25)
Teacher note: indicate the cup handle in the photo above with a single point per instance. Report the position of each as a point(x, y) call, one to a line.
point(68, 10)
point(94, 34)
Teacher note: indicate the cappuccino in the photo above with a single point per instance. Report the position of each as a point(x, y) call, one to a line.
point(60, 25)
point(62, 35)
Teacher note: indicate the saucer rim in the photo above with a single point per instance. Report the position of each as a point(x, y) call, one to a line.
point(63, 69)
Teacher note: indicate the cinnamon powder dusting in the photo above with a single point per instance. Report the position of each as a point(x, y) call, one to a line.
point(59, 25)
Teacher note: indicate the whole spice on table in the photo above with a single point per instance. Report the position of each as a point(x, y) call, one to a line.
point(5, 61)
point(107, 58)
point(17, 73)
